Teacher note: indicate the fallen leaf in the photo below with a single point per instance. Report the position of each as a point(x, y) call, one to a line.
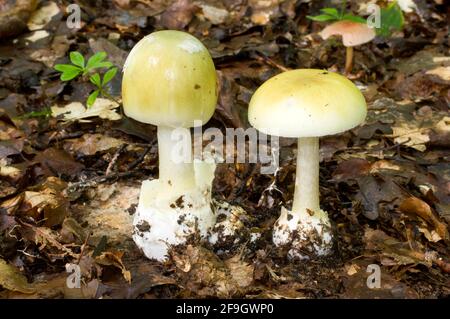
point(75, 111)
point(178, 15)
point(214, 14)
point(203, 273)
point(10, 147)
point(90, 144)
point(58, 162)
point(377, 240)
point(43, 15)
point(378, 195)
point(47, 241)
point(351, 169)
point(241, 271)
point(411, 136)
point(12, 279)
point(443, 72)
point(114, 259)
point(355, 284)
point(416, 206)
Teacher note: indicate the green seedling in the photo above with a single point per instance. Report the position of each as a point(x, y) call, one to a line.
point(80, 68)
point(333, 14)
point(45, 112)
point(391, 18)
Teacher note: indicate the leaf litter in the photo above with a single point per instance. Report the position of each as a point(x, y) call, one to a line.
point(70, 175)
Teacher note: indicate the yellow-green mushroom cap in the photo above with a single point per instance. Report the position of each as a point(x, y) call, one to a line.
point(306, 103)
point(169, 79)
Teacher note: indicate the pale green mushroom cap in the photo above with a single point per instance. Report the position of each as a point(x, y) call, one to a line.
point(306, 103)
point(169, 79)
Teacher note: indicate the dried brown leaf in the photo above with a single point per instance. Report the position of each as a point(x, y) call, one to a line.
point(12, 279)
point(416, 206)
point(114, 259)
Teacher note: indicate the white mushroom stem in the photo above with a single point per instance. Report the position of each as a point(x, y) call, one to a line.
point(306, 195)
point(175, 158)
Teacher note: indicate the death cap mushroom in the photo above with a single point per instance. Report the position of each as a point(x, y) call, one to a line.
point(169, 80)
point(306, 103)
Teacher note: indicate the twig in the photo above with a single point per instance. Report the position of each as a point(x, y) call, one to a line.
point(271, 62)
point(96, 180)
point(141, 157)
point(114, 159)
point(83, 247)
point(59, 136)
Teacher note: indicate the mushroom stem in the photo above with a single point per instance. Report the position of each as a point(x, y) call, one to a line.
point(348, 60)
point(306, 195)
point(175, 158)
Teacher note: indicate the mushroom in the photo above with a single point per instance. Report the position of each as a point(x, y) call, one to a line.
point(169, 81)
point(353, 34)
point(306, 104)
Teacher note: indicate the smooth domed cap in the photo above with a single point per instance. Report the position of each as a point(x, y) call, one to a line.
point(169, 79)
point(352, 33)
point(306, 103)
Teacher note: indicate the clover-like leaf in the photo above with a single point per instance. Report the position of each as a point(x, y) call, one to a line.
point(92, 97)
point(94, 60)
point(68, 71)
point(109, 75)
point(331, 12)
point(95, 79)
point(353, 18)
point(77, 58)
point(322, 18)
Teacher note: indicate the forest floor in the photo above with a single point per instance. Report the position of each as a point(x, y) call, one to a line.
point(70, 179)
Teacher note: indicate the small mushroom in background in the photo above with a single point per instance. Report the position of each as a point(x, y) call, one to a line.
point(353, 34)
point(169, 81)
point(306, 104)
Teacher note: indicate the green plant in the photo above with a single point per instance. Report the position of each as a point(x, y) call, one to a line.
point(45, 112)
point(391, 17)
point(80, 68)
point(333, 14)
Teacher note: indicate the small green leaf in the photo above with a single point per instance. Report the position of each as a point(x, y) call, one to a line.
point(70, 75)
point(353, 18)
point(391, 19)
point(45, 112)
point(66, 67)
point(92, 97)
point(95, 79)
point(104, 64)
point(68, 71)
point(322, 18)
point(77, 59)
point(95, 60)
point(331, 12)
point(109, 75)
